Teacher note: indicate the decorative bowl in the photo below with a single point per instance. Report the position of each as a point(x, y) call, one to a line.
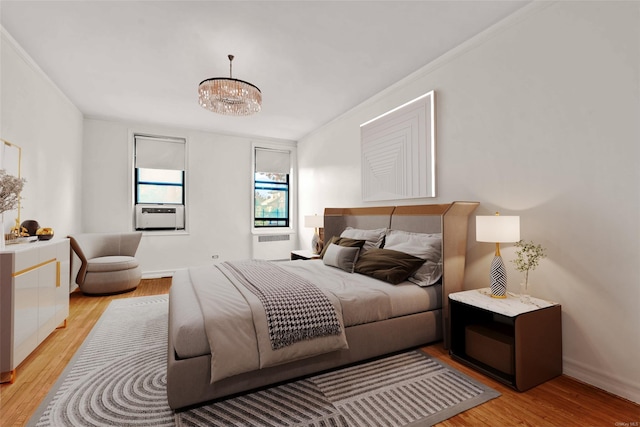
point(45, 233)
point(31, 225)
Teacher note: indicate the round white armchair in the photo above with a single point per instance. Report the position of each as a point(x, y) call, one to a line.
point(109, 265)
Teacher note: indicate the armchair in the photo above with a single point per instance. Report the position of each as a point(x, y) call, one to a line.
point(108, 262)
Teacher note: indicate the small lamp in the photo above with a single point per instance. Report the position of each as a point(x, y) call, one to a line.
point(498, 229)
point(317, 222)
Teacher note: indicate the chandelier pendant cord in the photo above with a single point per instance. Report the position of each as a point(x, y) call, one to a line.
point(230, 66)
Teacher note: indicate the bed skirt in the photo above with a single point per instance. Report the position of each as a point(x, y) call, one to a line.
point(188, 380)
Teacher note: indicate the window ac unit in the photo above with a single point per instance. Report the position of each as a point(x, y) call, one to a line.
point(159, 217)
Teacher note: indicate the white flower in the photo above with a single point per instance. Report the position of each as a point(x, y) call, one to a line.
point(10, 188)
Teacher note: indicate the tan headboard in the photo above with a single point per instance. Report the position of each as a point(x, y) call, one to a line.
point(337, 219)
point(452, 219)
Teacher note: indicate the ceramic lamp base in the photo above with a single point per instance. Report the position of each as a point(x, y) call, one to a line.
point(316, 244)
point(498, 278)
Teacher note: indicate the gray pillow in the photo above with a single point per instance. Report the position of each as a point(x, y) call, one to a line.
point(374, 238)
point(343, 241)
point(342, 257)
point(425, 246)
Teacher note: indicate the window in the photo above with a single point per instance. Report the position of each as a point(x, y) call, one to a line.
point(160, 186)
point(271, 185)
point(159, 182)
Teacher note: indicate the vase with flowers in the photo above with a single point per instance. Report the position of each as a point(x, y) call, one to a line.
point(10, 189)
point(528, 255)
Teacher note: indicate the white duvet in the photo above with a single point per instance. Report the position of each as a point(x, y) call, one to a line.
point(235, 321)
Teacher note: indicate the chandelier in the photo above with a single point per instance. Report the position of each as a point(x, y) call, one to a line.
point(229, 96)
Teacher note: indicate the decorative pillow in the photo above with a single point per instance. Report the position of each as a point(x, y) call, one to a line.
point(425, 246)
point(342, 257)
point(388, 265)
point(374, 238)
point(342, 241)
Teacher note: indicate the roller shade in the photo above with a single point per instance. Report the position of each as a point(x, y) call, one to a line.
point(273, 161)
point(160, 153)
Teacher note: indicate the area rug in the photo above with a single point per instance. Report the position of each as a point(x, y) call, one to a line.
point(118, 377)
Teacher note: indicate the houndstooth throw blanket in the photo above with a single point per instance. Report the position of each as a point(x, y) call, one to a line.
point(296, 309)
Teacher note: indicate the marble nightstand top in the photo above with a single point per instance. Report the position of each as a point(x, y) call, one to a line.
point(510, 306)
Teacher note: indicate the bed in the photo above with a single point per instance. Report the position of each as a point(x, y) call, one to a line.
point(374, 317)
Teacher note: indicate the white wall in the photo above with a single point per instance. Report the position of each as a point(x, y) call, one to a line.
point(79, 172)
point(218, 194)
point(36, 116)
point(536, 117)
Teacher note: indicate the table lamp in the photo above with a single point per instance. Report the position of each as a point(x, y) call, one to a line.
point(498, 229)
point(316, 222)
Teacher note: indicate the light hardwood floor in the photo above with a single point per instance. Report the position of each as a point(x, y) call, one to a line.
point(560, 402)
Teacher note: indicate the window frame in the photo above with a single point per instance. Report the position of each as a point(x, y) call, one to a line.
point(138, 182)
point(292, 192)
point(288, 201)
point(135, 182)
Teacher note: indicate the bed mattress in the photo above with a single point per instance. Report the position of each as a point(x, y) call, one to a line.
point(363, 300)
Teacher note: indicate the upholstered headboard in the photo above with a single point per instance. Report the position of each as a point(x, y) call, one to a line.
point(451, 219)
point(337, 219)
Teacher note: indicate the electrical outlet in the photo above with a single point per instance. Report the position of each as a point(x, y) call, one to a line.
point(214, 256)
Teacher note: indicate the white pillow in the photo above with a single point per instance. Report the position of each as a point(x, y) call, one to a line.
point(373, 238)
point(342, 257)
point(425, 246)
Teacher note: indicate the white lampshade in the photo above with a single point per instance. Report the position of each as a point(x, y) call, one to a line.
point(314, 221)
point(497, 229)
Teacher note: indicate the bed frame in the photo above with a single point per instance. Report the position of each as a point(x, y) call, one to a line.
point(188, 380)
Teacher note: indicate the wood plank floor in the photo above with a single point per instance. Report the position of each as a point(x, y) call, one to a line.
point(560, 402)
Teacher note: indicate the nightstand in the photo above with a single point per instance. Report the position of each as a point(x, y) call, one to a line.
point(515, 343)
point(303, 254)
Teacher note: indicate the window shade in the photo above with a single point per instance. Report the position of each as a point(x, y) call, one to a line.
point(273, 161)
point(160, 153)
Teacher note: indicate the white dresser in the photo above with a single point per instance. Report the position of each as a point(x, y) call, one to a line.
point(34, 298)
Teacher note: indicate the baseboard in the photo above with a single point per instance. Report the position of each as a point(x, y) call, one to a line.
point(619, 386)
point(157, 274)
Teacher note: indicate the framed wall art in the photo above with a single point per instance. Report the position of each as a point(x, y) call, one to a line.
point(398, 152)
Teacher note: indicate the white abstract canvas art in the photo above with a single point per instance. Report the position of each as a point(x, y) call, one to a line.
point(398, 152)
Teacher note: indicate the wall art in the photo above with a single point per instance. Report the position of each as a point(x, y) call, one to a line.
point(398, 152)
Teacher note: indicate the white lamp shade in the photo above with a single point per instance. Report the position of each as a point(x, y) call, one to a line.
point(314, 221)
point(497, 229)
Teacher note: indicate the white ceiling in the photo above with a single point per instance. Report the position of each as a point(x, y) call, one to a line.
point(142, 61)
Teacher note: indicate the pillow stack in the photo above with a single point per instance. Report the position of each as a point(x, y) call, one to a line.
point(390, 255)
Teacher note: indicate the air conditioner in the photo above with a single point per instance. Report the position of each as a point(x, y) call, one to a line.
point(159, 217)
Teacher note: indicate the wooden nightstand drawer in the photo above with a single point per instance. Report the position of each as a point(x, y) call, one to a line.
point(490, 347)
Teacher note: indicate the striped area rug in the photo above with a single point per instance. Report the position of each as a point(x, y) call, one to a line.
point(118, 378)
point(400, 390)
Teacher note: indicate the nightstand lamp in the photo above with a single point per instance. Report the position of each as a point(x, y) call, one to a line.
point(498, 229)
point(317, 222)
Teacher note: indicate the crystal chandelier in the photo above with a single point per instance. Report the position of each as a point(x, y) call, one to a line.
point(229, 96)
